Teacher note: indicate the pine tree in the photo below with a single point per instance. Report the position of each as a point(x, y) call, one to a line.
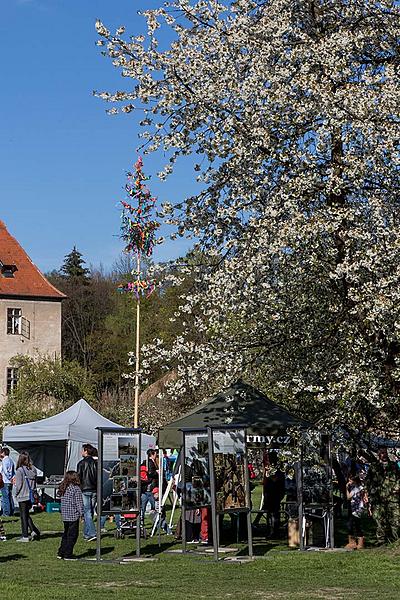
point(73, 266)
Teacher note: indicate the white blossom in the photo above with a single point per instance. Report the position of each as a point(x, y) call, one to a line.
point(291, 111)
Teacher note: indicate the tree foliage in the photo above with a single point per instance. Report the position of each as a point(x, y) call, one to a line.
point(45, 387)
point(292, 108)
point(73, 266)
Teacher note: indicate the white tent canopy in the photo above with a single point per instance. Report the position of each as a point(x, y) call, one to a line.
point(55, 443)
point(77, 423)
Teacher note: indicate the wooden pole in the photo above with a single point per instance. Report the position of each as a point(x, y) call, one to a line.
point(137, 367)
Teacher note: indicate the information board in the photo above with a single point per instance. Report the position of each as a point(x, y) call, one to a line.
point(229, 459)
point(197, 491)
point(120, 477)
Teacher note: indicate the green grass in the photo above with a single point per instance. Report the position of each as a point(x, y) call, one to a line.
point(31, 571)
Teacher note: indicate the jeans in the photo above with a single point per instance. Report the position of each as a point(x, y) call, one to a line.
point(69, 538)
point(145, 498)
point(89, 503)
point(7, 503)
point(26, 521)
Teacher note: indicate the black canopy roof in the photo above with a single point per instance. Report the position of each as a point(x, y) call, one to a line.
point(240, 404)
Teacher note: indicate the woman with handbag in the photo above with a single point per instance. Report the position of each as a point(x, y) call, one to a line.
point(25, 493)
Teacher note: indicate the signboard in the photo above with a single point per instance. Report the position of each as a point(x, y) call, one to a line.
point(270, 441)
point(120, 476)
point(230, 470)
point(197, 491)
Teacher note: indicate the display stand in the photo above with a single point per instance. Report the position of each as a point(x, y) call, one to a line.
point(118, 478)
point(230, 487)
point(315, 490)
point(215, 474)
point(195, 475)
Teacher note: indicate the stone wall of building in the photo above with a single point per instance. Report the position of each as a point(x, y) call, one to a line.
point(40, 333)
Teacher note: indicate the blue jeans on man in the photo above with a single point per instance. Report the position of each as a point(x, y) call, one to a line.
point(89, 504)
point(145, 498)
point(7, 503)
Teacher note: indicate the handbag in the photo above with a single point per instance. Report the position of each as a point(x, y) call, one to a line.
point(33, 495)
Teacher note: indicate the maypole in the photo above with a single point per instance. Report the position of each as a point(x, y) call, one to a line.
point(138, 231)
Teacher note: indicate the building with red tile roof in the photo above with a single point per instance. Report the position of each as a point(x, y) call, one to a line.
point(30, 310)
point(19, 275)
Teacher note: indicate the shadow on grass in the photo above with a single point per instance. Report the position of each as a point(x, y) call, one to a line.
point(153, 549)
point(91, 552)
point(50, 534)
point(11, 557)
point(260, 549)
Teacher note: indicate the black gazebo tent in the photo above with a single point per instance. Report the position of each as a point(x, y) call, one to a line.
point(267, 425)
point(240, 404)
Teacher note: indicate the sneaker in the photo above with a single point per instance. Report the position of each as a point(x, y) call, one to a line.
point(59, 557)
point(3, 538)
point(193, 542)
point(35, 536)
point(23, 539)
point(91, 539)
point(69, 558)
point(204, 542)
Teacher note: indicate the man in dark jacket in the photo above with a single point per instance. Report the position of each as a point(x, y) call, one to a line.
point(87, 471)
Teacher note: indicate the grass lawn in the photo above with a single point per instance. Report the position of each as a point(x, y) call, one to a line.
point(31, 571)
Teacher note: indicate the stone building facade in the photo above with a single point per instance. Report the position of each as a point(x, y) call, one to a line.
point(30, 311)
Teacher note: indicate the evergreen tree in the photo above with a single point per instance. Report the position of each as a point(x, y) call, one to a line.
point(73, 265)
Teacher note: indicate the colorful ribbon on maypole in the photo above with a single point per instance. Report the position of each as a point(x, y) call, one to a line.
point(138, 228)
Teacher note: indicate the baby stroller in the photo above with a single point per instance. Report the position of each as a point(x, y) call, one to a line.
point(126, 524)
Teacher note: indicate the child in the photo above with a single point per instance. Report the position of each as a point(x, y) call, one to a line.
point(356, 495)
point(71, 512)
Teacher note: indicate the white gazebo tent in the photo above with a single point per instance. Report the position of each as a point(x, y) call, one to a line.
point(55, 443)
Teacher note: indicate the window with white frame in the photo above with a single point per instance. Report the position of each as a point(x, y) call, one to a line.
point(12, 379)
point(14, 321)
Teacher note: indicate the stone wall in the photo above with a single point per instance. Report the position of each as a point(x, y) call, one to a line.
point(44, 319)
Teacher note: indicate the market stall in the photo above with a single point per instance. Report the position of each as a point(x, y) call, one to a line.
point(270, 430)
point(55, 443)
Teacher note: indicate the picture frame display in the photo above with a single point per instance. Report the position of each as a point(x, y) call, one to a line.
point(229, 463)
point(197, 490)
point(120, 476)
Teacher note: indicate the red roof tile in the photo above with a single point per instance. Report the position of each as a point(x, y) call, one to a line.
point(27, 280)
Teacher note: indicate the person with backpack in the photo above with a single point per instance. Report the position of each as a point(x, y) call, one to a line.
point(71, 511)
point(25, 493)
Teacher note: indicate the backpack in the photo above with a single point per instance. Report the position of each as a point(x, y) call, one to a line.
point(144, 474)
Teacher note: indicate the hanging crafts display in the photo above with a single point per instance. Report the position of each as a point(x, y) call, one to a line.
point(138, 228)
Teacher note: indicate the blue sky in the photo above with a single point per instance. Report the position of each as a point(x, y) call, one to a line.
point(62, 159)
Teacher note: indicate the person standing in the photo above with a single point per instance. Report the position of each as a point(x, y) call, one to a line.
point(355, 494)
point(148, 481)
point(71, 511)
point(8, 472)
point(25, 487)
point(87, 473)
